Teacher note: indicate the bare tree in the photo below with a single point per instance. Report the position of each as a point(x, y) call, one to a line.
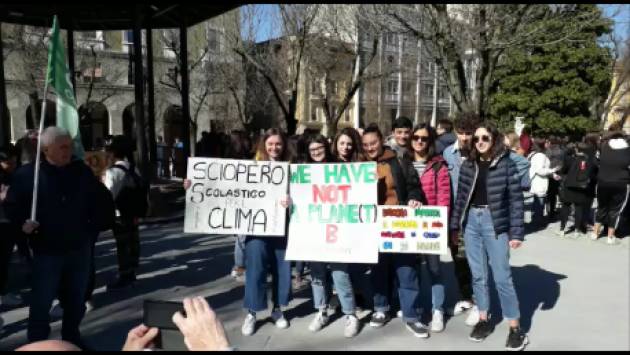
point(467, 41)
point(280, 61)
point(200, 83)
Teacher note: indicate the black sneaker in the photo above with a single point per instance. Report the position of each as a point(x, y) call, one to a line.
point(121, 283)
point(481, 331)
point(418, 329)
point(379, 319)
point(516, 340)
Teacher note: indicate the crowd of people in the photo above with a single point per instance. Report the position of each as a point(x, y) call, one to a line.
point(482, 176)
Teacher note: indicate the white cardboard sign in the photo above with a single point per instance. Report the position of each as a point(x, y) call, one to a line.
point(230, 196)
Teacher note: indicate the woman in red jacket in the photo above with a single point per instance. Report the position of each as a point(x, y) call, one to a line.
point(436, 187)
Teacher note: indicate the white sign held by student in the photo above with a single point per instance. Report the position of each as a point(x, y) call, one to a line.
point(333, 213)
point(230, 196)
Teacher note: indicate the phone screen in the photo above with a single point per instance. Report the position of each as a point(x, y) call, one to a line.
point(159, 314)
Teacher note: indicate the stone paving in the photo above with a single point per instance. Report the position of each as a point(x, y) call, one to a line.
point(574, 295)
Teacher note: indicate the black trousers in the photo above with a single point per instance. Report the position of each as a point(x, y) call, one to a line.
point(552, 196)
point(462, 269)
point(581, 215)
point(128, 246)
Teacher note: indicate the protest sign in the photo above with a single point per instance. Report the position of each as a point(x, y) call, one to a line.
point(236, 197)
point(413, 230)
point(333, 213)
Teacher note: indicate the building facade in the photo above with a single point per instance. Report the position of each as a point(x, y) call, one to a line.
point(104, 80)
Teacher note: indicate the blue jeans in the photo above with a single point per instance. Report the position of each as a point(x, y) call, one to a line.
point(481, 240)
point(239, 251)
point(403, 266)
point(434, 267)
point(67, 275)
point(264, 255)
point(322, 290)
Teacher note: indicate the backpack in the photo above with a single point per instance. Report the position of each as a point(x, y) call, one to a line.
point(580, 172)
point(132, 200)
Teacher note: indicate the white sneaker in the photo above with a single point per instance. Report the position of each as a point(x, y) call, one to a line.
point(473, 317)
point(89, 306)
point(352, 326)
point(399, 314)
point(278, 318)
point(593, 236)
point(320, 320)
point(561, 233)
point(56, 311)
point(249, 325)
point(437, 323)
point(11, 300)
point(461, 307)
point(612, 240)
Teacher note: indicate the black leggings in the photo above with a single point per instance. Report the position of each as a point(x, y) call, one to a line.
point(611, 202)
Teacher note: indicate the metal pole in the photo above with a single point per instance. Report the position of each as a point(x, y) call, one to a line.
point(183, 43)
point(71, 65)
point(39, 147)
point(5, 124)
point(151, 105)
point(141, 144)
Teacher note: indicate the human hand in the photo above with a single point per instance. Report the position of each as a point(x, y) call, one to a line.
point(3, 192)
point(414, 203)
point(30, 226)
point(187, 184)
point(515, 244)
point(557, 177)
point(140, 338)
point(285, 201)
point(201, 329)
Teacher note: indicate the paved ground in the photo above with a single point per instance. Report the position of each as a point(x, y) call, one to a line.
point(573, 296)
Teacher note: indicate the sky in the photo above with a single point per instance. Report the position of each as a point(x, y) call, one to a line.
point(267, 13)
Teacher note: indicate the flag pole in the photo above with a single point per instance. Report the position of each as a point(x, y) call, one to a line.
point(39, 145)
point(38, 154)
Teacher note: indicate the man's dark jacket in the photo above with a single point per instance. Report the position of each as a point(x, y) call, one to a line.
point(68, 208)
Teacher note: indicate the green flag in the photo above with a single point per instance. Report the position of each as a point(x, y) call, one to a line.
point(58, 76)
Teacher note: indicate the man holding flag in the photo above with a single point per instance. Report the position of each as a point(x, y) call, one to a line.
point(55, 200)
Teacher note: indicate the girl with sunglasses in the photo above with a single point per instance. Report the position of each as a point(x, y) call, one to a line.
point(489, 209)
point(436, 187)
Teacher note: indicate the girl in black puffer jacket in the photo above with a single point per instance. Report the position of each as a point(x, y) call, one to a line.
point(489, 209)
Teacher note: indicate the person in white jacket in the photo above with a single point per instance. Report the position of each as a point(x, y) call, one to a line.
point(540, 172)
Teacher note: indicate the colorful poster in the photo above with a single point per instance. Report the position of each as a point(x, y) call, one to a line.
point(236, 197)
point(413, 230)
point(333, 213)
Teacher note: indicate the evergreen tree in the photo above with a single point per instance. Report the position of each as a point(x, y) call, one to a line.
point(555, 86)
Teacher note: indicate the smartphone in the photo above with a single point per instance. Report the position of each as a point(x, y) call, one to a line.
point(159, 314)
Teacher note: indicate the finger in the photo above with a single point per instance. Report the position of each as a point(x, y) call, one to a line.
point(178, 319)
point(139, 330)
point(188, 307)
point(196, 304)
point(205, 306)
point(149, 336)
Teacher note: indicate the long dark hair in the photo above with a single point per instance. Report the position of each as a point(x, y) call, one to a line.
point(261, 153)
point(357, 147)
point(318, 138)
point(498, 146)
point(432, 138)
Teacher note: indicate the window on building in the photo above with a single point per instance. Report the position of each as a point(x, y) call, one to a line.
point(315, 87)
point(443, 93)
point(313, 113)
point(213, 40)
point(334, 87)
point(392, 87)
point(391, 39)
point(127, 36)
point(427, 90)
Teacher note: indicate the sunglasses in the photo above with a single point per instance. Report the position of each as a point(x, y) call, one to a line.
point(423, 139)
point(484, 138)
